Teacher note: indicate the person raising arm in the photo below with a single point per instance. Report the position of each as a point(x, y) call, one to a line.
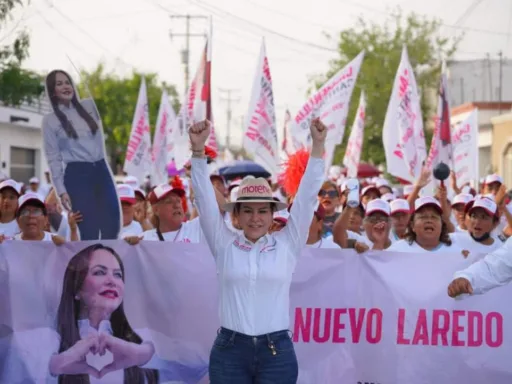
point(254, 267)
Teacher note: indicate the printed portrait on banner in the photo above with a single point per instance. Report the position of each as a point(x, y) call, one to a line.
point(74, 147)
point(93, 335)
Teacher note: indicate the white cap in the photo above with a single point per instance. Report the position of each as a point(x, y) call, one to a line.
point(493, 179)
point(462, 198)
point(161, 191)
point(388, 197)
point(378, 205)
point(29, 196)
point(33, 180)
point(10, 183)
point(334, 172)
point(400, 205)
point(487, 204)
point(234, 193)
point(126, 193)
point(132, 181)
point(382, 183)
point(425, 201)
point(369, 188)
point(408, 189)
point(140, 190)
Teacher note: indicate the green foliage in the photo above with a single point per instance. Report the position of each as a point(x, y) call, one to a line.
point(383, 45)
point(116, 98)
point(16, 84)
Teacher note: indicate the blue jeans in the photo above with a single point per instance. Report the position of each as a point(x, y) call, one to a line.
point(92, 191)
point(240, 359)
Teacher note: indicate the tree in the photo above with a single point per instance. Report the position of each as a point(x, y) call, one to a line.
point(116, 98)
point(16, 84)
point(383, 45)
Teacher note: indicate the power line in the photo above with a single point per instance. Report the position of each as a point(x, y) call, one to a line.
point(469, 10)
point(248, 22)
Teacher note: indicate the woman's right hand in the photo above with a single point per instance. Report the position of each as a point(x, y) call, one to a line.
point(198, 134)
point(66, 202)
point(73, 361)
point(460, 286)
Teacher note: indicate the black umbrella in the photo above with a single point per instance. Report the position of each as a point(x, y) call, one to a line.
point(242, 168)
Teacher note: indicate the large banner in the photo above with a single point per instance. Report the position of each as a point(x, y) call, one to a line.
point(374, 318)
point(465, 150)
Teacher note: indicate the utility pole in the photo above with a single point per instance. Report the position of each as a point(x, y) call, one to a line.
point(489, 73)
point(500, 55)
point(185, 53)
point(229, 100)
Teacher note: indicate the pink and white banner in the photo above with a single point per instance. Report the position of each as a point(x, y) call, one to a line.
point(374, 318)
point(355, 140)
point(330, 103)
point(260, 139)
point(465, 150)
point(138, 160)
point(162, 141)
point(403, 136)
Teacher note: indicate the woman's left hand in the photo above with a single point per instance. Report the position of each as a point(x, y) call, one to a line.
point(125, 354)
point(73, 219)
point(58, 240)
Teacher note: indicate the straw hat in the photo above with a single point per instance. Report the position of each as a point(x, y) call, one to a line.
point(254, 190)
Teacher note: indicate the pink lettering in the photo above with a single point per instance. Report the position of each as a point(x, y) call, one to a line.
point(494, 320)
point(438, 330)
point(475, 328)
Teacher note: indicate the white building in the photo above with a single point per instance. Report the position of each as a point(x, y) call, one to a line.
point(21, 144)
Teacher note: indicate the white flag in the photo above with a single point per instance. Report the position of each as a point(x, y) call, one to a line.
point(355, 141)
point(330, 103)
point(465, 150)
point(138, 161)
point(260, 137)
point(403, 136)
point(161, 145)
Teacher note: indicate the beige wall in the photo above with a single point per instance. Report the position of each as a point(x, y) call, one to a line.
point(501, 149)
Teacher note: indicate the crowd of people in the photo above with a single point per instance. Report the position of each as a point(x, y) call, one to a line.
point(271, 224)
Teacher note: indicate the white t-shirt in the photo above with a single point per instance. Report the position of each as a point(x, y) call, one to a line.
point(132, 229)
point(324, 243)
point(404, 246)
point(9, 229)
point(47, 237)
point(464, 241)
point(190, 232)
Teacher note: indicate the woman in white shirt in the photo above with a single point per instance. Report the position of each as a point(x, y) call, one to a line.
point(483, 218)
point(93, 341)
point(130, 227)
point(9, 194)
point(255, 268)
point(427, 232)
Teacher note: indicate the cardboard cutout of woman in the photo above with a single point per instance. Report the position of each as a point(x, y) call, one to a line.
point(74, 147)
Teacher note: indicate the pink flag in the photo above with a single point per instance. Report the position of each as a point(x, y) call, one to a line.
point(355, 141)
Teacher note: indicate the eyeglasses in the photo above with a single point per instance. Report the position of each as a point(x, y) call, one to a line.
point(331, 194)
point(38, 212)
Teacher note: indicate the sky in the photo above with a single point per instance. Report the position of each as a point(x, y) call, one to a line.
point(136, 34)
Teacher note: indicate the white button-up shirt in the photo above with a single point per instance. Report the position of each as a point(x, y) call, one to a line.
point(492, 271)
point(255, 278)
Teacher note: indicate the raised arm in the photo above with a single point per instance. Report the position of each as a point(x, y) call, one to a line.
point(492, 271)
point(215, 230)
point(306, 199)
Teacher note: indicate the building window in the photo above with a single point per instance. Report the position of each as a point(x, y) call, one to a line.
point(507, 165)
point(23, 164)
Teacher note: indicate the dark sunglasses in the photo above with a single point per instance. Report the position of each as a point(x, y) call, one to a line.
point(332, 193)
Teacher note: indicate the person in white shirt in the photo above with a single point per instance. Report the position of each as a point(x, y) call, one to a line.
point(494, 270)
point(376, 229)
point(127, 196)
point(32, 219)
point(254, 267)
point(9, 195)
point(400, 217)
point(427, 232)
point(459, 208)
point(483, 217)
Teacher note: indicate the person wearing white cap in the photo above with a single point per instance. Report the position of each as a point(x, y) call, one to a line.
point(9, 194)
point(255, 268)
point(494, 270)
point(492, 184)
point(483, 217)
point(427, 232)
point(32, 220)
point(369, 193)
point(34, 184)
point(127, 196)
point(400, 216)
point(376, 229)
point(459, 209)
point(384, 187)
point(74, 148)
